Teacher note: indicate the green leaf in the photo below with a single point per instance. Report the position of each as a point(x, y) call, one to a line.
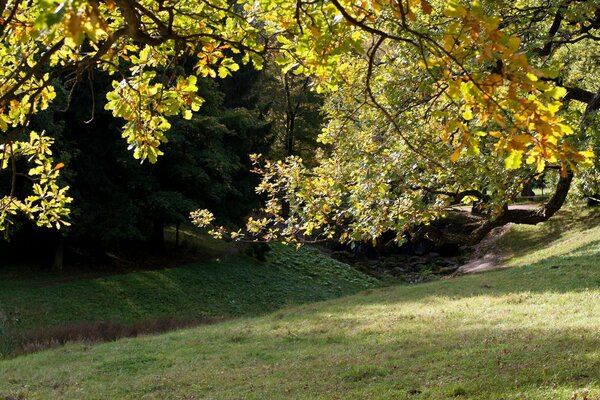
point(556, 92)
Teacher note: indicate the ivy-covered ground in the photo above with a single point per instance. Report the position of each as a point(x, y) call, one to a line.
point(526, 332)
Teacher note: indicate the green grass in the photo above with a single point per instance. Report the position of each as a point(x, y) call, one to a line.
point(530, 332)
point(564, 233)
point(233, 286)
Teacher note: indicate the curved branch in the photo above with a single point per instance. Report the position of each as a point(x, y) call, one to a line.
point(374, 31)
point(558, 18)
point(517, 216)
point(456, 196)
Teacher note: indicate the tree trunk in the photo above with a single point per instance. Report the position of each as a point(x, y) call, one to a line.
point(527, 190)
point(158, 235)
point(59, 254)
point(290, 118)
point(177, 234)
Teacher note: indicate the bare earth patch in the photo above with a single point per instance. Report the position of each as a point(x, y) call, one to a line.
point(486, 256)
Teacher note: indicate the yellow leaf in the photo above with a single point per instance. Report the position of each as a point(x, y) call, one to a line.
point(522, 139)
point(583, 158)
point(513, 161)
point(541, 164)
point(566, 129)
point(455, 10)
point(468, 114)
point(556, 92)
point(455, 156)
point(531, 77)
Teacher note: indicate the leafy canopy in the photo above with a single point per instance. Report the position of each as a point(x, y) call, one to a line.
point(416, 85)
point(429, 104)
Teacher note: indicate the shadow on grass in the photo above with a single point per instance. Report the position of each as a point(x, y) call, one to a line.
point(409, 361)
point(522, 241)
point(97, 332)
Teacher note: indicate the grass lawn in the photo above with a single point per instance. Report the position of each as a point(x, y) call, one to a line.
point(528, 332)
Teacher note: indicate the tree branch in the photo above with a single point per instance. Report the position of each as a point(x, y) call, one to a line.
point(517, 216)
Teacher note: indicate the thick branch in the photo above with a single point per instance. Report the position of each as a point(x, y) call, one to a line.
point(457, 197)
point(558, 18)
point(517, 216)
point(575, 93)
point(133, 24)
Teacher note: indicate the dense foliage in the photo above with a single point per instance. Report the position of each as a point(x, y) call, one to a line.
point(429, 103)
point(206, 165)
point(433, 104)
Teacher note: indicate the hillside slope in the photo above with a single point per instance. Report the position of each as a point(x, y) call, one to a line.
point(530, 332)
point(41, 305)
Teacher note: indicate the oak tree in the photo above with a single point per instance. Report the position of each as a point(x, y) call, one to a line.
point(429, 103)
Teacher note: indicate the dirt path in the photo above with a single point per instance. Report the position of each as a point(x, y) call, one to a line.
point(485, 257)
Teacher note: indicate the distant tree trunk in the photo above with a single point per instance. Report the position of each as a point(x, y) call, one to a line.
point(594, 200)
point(528, 189)
point(158, 234)
point(290, 117)
point(293, 108)
point(59, 254)
point(177, 234)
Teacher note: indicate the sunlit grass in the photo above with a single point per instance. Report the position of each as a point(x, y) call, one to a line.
point(530, 332)
point(569, 230)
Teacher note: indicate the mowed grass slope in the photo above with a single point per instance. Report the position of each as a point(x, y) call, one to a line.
point(530, 332)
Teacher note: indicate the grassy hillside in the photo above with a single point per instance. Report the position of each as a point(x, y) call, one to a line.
point(34, 302)
point(530, 332)
point(565, 233)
